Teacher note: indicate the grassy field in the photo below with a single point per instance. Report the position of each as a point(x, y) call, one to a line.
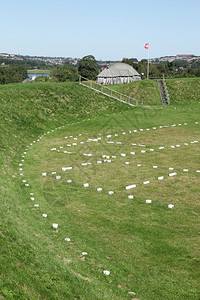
point(38, 71)
point(151, 251)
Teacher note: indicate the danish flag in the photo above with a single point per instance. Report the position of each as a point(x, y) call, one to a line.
point(146, 46)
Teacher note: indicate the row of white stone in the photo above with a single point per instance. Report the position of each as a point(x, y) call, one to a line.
point(32, 198)
point(55, 225)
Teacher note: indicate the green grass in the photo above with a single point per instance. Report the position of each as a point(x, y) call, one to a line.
point(148, 248)
point(184, 90)
point(146, 91)
point(38, 71)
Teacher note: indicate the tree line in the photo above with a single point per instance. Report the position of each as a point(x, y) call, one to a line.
point(89, 68)
point(177, 68)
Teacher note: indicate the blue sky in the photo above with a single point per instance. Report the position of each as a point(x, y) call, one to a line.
point(106, 29)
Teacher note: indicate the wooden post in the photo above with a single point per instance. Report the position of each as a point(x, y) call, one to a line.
point(91, 83)
point(79, 78)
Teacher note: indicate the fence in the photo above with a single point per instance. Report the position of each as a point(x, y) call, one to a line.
point(108, 91)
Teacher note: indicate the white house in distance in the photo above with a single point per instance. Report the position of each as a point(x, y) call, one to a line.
point(118, 73)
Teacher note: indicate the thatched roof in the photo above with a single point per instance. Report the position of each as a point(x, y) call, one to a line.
point(119, 70)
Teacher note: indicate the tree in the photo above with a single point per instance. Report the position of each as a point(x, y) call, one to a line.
point(88, 67)
point(12, 74)
point(65, 73)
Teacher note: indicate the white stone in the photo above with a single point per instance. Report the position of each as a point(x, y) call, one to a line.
point(55, 225)
point(146, 182)
point(36, 205)
point(99, 189)
point(44, 174)
point(26, 184)
point(32, 198)
point(172, 174)
point(127, 163)
point(143, 151)
point(105, 272)
point(170, 206)
point(53, 173)
point(110, 192)
point(67, 239)
point(99, 162)
point(44, 215)
point(133, 153)
point(131, 293)
point(69, 180)
point(155, 167)
point(130, 196)
point(84, 253)
point(148, 201)
point(86, 185)
point(128, 187)
point(161, 178)
point(185, 170)
point(171, 169)
point(138, 165)
point(151, 149)
point(58, 177)
point(198, 171)
point(123, 154)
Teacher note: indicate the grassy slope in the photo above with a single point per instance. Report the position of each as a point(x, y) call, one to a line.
point(183, 90)
point(29, 270)
point(180, 90)
point(26, 112)
point(145, 91)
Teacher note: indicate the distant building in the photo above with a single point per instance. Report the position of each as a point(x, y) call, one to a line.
point(118, 73)
point(187, 57)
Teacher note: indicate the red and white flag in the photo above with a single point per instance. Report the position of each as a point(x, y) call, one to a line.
point(146, 46)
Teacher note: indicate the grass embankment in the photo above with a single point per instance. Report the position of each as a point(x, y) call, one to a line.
point(146, 91)
point(184, 90)
point(26, 112)
point(150, 250)
point(38, 71)
point(181, 90)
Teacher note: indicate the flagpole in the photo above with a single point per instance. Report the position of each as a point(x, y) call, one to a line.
point(146, 46)
point(148, 66)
